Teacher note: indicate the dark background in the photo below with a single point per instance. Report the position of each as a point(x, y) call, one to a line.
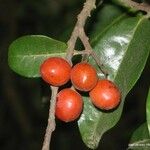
point(24, 102)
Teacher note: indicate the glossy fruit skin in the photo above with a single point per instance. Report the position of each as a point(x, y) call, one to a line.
point(84, 76)
point(69, 105)
point(105, 95)
point(55, 71)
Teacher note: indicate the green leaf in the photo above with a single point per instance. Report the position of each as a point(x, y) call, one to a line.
point(64, 36)
point(28, 52)
point(123, 49)
point(148, 111)
point(107, 15)
point(140, 139)
point(120, 2)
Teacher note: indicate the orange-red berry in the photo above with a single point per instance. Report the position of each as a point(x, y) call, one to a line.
point(55, 71)
point(84, 76)
point(105, 95)
point(69, 105)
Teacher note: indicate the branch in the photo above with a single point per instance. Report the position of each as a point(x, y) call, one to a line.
point(51, 119)
point(88, 48)
point(89, 5)
point(79, 32)
point(139, 6)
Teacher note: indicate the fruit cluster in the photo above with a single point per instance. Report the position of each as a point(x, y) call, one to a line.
point(103, 93)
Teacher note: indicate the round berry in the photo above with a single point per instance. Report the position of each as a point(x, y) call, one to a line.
point(55, 71)
point(84, 76)
point(69, 105)
point(105, 95)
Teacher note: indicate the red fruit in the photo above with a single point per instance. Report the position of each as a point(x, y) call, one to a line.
point(55, 71)
point(84, 76)
point(69, 105)
point(105, 95)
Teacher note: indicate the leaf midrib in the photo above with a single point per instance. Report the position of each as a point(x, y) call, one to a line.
point(141, 141)
point(38, 55)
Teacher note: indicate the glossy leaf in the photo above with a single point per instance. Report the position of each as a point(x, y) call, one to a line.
point(120, 2)
point(28, 52)
point(107, 15)
point(148, 111)
point(123, 49)
point(140, 139)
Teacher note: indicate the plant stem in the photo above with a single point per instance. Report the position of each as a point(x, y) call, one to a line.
point(139, 6)
point(79, 32)
point(89, 5)
point(88, 48)
point(51, 119)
